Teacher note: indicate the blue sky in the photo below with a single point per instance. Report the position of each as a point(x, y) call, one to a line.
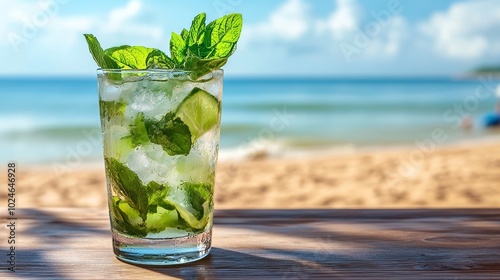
point(280, 37)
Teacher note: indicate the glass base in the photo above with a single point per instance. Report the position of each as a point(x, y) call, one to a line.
point(162, 251)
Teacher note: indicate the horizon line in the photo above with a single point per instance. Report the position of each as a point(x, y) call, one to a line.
point(281, 77)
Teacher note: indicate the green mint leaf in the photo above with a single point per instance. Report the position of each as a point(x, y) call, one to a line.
point(202, 49)
point(196, 30)
point(111, 108)
point(120, 148)
point(125, 182)
point(138, 131)
point(178, 49)
point(125, 219)
point(160, 214)
point(198, 194)
point(184, 34)
point(196, 213)
point(157, 59)
point(171, 133)
point(195, 35)
point(156, 192)
point(201, 67)
point(200, 39)
point(166, 205)
point(161, 218)
point(183, 225)
point(222, 35)
point(193, 223)
point(128, 57)
point(98, 53)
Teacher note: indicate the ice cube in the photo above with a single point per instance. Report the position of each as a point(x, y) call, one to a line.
point(214, 87)
point(115, 144)
point(151, 163)
point(151, 98)
point(180, 90)
point(110, 92)
point(129, 88)
point(199, 165)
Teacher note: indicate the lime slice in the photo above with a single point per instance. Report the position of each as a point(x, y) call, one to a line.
point(132, 214)
point(190, 219)
point(199, 111)
point(125, 219)
point(160, 220)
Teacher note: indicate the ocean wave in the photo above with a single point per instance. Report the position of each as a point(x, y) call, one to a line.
point(55, 132)
point(283, 148)
point(373, 107)
point(13, 123)
point(26, 123)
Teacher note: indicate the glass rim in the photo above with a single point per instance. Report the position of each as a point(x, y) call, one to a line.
point(159, 71)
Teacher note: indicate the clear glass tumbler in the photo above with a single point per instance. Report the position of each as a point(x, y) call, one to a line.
point(161, 139)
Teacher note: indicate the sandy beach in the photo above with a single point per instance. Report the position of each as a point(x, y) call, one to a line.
point(452, 176)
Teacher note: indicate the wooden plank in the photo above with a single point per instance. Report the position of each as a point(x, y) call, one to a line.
point(71, 243)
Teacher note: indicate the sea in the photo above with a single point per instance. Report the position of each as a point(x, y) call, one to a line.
point(50, 120)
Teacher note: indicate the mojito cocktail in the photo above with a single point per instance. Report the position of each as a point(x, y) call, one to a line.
point(160, 118)
point(160, 134)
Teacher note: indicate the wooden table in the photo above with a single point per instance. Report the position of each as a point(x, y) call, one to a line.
point(69, 243)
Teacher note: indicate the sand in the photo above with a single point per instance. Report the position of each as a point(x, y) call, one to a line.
point(452, 176)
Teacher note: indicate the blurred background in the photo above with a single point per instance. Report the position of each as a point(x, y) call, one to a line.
point(398, 98)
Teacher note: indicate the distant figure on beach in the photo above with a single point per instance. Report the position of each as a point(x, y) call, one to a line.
point(493, 119)
point(467, 122)
point(490, 120)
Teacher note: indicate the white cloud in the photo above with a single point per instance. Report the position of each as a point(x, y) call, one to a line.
point(289, 22)
point(467, 30)
point(123, 21)
point(390, 39)
point(291, 39)
point(122, 14)
point(293, 28)
point(12, 14)
point(39, 28)
point(343, 20)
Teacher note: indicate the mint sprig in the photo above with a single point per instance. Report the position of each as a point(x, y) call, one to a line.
point(222, 35)
point(171, 133)
point(178, 49)
point(101, 58)
point(197, 195)
point(128, 185)
point(164, 213)
point(206, 47)
point(203, 66)
point(128, 57)
point(158, 60)
point(201, 49)
point(139, 209)
point(126, 219)
point(184, 34)
point(111, 108)
point(138, 131)
point(196, 32)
